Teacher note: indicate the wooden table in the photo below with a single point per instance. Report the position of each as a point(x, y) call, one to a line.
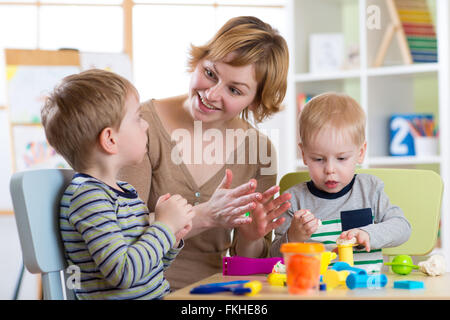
point(436, 288)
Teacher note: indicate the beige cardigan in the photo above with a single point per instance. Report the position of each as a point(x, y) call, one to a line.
point(158, 175)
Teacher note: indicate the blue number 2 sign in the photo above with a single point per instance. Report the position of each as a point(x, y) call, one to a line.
point(402, 140)
point(402, 143)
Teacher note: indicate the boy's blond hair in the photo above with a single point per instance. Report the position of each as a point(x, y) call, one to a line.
point(254, 42)
point(79, 108)
point(336, 111)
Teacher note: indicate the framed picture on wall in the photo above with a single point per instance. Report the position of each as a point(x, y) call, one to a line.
point(326, 52)
point(27, 87)
point(32, 150)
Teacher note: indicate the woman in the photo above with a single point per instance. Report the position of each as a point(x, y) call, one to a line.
point(197, 149)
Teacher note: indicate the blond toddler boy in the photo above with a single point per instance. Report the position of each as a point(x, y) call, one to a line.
point(338, 204)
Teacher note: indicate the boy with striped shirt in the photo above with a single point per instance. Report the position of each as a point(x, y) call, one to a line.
point(337, 203)
point(93, 120)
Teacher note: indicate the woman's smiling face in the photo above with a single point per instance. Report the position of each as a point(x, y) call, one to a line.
point(218, 91)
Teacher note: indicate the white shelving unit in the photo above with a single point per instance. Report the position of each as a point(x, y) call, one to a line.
point(392, 88)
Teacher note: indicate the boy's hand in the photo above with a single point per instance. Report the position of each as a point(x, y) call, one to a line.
point(175, 212)
point(361, 236)
point(303, 225)
point(182, 233)
point(152, 215)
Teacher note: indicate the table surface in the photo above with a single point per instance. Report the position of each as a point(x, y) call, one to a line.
point(436, 288)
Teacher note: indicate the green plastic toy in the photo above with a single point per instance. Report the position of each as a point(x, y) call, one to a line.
point(402, 264)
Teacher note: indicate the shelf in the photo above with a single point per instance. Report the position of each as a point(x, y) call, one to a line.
point(372, 72)
point(336, 75)
point(404, 69)
point(402, 160)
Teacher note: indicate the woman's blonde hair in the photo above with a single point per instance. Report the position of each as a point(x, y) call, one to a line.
point(79, 108)
point(254, 42)
point(332, 110)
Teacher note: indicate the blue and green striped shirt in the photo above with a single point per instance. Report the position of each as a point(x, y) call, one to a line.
point(106, 233)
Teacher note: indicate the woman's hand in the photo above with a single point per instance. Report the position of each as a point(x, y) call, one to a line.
point(264, 214)
point(226, 207)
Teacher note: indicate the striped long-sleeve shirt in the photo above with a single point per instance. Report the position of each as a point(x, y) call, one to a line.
point(361, 204)
point(106, 233)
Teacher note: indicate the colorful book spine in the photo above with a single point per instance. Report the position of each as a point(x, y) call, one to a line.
point(419, 29)
point(302, 99)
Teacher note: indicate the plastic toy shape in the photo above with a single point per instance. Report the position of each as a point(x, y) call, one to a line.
point(303, 273)
point(254, 286)
point(355, 280)
point(408, 284)
point(240, 287)
point(340, 266)
point(277, 279)
point(334, 279)
point(345, 252)
point(402, 264)
point(325, 260)
point(243, 266)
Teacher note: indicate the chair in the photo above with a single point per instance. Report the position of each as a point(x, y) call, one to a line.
point(36, 196)
point(417, 192)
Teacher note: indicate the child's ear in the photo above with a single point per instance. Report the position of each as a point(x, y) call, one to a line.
point(107, 140)
point(303, 153)
point(362, 152)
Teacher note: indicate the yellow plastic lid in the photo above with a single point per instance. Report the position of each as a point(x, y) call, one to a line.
point(302, 247)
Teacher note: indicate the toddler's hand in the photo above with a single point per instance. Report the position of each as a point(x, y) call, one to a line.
point(361, 236)
point(175, 212)
point(303, 225)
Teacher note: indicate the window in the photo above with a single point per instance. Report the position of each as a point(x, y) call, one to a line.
point(86, 28)
point(156, 33)
point(162, 35)
point(162, 32)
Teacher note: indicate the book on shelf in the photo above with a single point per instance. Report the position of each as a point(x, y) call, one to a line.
point(302, 99)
